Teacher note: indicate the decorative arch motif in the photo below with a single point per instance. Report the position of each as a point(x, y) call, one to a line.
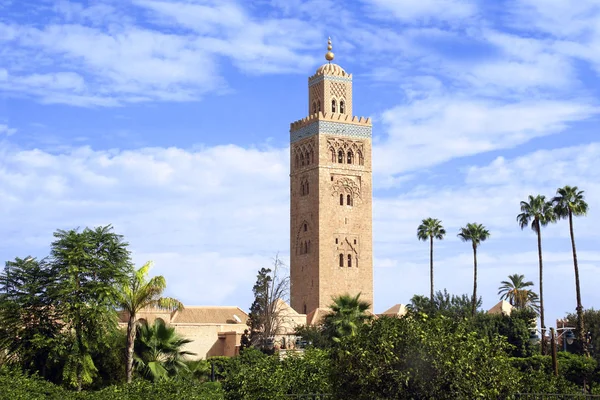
point(351, 151)
point(303, 243)
point(304, 153)
point(345, 186)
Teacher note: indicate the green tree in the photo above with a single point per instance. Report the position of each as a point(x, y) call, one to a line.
point(515, 291)
point(158, 351)
point(422, 358)
point(88, 267)
point(592, 325)
point(430, 229)
point(538, 213)
point(516, 328)
point(30, 327)
point(568, 202)
point(141, 292)
point(474, 233)
point(452, 306)
point(269, 291)
point(347, 314)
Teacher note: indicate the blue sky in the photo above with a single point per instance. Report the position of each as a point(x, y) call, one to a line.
point(170, 120)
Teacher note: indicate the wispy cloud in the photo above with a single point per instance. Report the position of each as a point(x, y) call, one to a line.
point(434, 130)
point(6, 130)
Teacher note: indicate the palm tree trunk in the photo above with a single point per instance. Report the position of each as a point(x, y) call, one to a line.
point(130, 343)
point(431, 265)
point(580, 325)
point(542, 324)
point(474, 307)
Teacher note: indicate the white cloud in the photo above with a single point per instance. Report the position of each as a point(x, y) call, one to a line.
point(415, 11)
point(210, 218)
point(6, 130)
point(429, 131)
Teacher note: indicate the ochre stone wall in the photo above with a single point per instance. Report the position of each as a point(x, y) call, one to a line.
point(330, 156)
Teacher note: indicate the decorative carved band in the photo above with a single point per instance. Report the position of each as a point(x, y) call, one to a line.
point(345, 186)
point(319, 78)
point(331, 128)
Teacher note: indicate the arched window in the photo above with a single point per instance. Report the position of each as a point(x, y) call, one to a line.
point(301, 159)
point(332, 156)
point(305, 247)
point(306, 188)
point(319, 105)
point(341, 156)
point(349, 200)
point(341, 260)
point(341, 199)
point(333, 106)
point(305, 227)
point(305, 309)
point(342, 107)
point(314, 108)
point(361, 160)
point(302, 188)
point(309, 246)
point(297, 160)
point(312, 156)
point(349, 261)
point(350, 157)
point(307, 156)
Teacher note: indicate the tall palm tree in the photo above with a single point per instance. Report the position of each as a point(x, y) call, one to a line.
point(347, 314)
point(430, 229)
point(538, 213)
point(516, 293)
point(568, 202)
point(141, 292)
point(474, 233)
point(158, 353)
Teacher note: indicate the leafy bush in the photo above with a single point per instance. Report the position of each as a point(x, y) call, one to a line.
point(422, 357)
point(16, 385)
point(255, 375)
point(172, 389)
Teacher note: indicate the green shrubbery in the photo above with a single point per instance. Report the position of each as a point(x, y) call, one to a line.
point(15, 385)
point(255, 375)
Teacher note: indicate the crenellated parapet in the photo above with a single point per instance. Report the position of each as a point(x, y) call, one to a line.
point(345, 118)
point(331, 124)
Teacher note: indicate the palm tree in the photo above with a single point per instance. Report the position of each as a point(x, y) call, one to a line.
point(538, 213)
point(347, 314)
point(141, 292)
point(158, 353)
point(516, 293)
point(431, 228)
point(568, 202)
point(474, 233)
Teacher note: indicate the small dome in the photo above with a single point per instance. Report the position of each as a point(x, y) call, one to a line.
point(331, 69)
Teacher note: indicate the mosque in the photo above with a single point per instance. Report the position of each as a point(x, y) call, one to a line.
point(331, 224)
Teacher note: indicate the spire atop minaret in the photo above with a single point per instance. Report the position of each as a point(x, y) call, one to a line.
point(329, 55)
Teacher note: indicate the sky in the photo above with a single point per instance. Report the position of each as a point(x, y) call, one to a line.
point(170, 121)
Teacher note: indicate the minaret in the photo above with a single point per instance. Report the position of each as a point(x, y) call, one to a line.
point(331, 236)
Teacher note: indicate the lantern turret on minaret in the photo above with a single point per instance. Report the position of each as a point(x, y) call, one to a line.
point(331, 195)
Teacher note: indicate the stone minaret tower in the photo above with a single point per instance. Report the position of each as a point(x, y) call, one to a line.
point(331, 195)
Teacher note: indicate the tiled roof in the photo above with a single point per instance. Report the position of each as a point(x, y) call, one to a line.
point(503, 307)
point(397, 310)
point(210, 315)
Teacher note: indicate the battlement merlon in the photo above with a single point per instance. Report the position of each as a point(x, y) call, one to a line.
point(331, 124)
point(336, 117)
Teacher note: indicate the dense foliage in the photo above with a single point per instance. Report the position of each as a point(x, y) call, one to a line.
point(16, 385)
point(255, 375)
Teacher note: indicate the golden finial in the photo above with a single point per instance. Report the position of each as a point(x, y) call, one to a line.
point(329, 55)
